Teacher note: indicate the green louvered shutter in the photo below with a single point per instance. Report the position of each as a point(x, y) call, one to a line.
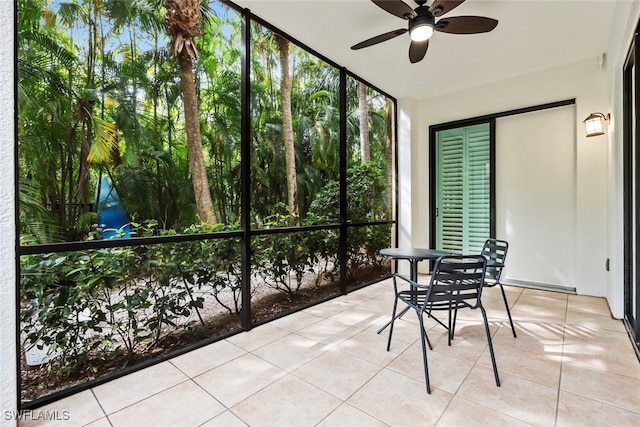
point(450, 190)
point(463, 188)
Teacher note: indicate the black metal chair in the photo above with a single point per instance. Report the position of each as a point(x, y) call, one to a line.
point(456, 283)
point(495, 251)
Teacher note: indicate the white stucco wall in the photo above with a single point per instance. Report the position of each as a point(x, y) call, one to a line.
point(8, 374)
point(406, 134)
point(586, 82)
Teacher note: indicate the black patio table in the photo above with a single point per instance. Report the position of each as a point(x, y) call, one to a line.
point(414, 256)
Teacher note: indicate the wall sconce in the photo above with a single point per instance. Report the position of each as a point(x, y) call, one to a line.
point(594, 124)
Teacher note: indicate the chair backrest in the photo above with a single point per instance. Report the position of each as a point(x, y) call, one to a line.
point(495, 250)
point(457, 281)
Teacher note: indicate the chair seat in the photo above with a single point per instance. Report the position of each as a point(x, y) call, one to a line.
point(416, 299)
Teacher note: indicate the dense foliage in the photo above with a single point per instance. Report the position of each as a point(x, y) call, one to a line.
point(103, 91)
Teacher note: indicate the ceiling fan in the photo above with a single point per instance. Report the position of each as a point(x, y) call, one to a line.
point(422, 24)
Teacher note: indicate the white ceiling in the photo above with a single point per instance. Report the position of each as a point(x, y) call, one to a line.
point(531, 36)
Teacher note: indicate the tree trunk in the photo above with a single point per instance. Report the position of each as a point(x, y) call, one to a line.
point(204, 204)
point(84, 114)
point(365, 154)
point(183, 23)
point(287, 126)
point(82, 189)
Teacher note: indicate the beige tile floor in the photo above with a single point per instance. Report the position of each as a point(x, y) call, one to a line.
point(571, 365)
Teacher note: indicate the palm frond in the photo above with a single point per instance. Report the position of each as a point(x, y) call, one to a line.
point(60, 53)
point(69, 12)
point(106, 140)
point(37, 220)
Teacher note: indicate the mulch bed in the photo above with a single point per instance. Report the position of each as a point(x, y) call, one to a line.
point(37, 382)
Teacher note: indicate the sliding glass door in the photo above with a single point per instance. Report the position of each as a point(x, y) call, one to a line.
point(632, 190)
point(463, 187)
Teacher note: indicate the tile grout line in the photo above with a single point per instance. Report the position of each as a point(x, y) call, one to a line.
point(148, 397)
point(101, 408)
point(564, 340)
point(192, 379)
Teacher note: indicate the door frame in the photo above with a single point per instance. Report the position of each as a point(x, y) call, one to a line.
point(471, 121)
point(433, 180)
point(631, 188)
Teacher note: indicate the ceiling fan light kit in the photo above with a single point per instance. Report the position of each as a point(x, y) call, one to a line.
point(422, 24)
point(421, 27)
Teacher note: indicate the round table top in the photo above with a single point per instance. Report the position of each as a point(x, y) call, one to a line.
point(413, 253)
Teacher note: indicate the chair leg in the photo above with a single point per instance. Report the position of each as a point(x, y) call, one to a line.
point(424, 338)
point(506, 304)
point(393, 318)
point(452, 326)
point(450, 329)
point(421, 320)
point(493, 357)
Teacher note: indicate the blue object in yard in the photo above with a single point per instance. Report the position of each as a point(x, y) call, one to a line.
point(113, 221)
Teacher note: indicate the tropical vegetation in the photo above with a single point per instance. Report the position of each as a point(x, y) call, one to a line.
point(139, 107)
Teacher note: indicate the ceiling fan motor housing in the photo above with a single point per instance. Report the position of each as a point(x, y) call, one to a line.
point(423, 17)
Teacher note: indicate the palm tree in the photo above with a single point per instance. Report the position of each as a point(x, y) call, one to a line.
point(86, 12)
point(183, 23)
point(287, 126)
point(47, 115)
point(365, 153)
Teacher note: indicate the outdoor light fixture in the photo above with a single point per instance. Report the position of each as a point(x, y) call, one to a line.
point(594, 124)
point(421, 28)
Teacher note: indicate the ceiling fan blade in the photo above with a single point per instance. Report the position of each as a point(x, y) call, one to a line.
point(417, 50)
point(440, 7)
point(379, 39)
point(466, 25)
point(396, 7)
